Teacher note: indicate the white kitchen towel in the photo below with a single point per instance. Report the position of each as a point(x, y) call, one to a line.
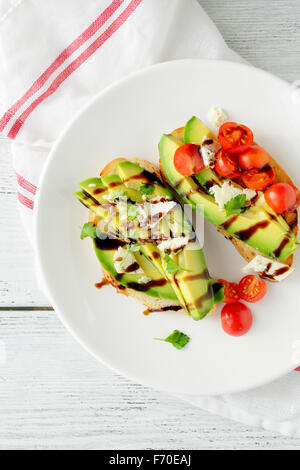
point(55, 56)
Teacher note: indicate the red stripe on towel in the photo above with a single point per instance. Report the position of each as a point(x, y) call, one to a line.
point(25, 184)
point(25, 201)
point(73, 47)
point(75, 65)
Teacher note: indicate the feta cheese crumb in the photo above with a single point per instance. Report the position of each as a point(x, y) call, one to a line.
point(208, 156)
point(108, 197)
point(173, 243)
point(123, 259)
point(144, 280)
point(262, 265)
point(92, 185)
point(217, 116)
point(228, 191)
point(162, 207)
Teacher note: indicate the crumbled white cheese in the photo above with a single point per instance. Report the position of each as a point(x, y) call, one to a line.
point(162, 207)
point(228, 191)
point(92, 185)
point(108, 197)
point(173, 243)
point(260, 264)
point(144, 280)
point(208, 156)
point(217, 116)
point(148, 212)
point(123, 259)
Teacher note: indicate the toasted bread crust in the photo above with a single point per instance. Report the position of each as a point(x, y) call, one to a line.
point(246, 251)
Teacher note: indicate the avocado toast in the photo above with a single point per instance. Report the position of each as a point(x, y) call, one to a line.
point(145, 244)
point(257, 231)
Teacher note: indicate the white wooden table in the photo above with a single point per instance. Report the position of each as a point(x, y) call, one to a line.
point(52, 393)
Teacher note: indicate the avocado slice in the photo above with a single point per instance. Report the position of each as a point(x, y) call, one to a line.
point(158, 287)
point(135, 177)
point(258, 226)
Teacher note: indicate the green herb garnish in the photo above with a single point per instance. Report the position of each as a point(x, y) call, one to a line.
point(178, 339)
point(147, 189)
point(172, 267)
point(236, 204)
point(88, 230)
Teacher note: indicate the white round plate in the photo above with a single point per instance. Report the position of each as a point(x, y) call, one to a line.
point(127, 120)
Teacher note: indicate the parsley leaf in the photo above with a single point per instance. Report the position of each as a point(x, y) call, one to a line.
point(147, 189)
point(88, 230)
point(236, 204)
point(177, 339)
point(172, 267)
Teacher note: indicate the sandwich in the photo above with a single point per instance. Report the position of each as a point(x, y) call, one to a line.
point(145, 244)
point(240, 188)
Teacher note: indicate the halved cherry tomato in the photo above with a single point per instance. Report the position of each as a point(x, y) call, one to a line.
point(230, 291)
point(254, 157)
point(281, 197)
point(236, 319)
point(227, 165)
point(252, 288)
point(259, 179)
point(188, 160)
point(235, 138)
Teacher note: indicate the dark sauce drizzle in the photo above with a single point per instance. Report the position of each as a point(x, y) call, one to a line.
point(244, 235)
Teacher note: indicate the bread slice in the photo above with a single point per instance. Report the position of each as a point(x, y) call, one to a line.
point(246, 251)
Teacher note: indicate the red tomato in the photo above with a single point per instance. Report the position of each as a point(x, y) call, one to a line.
point(259, 179)
point(281, 197)
point(235, 138)
point(297, 200)
point(188, 160)
point(227, 165)
point(236, 319)
point(252, 288)
point(254, 157)
point(230, 291)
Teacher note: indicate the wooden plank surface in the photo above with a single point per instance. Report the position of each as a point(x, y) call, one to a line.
point(52, 393)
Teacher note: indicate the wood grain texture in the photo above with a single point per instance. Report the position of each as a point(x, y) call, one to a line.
point(264, 32)
point(53, 395)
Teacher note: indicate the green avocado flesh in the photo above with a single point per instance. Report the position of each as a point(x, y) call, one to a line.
point(158, 287)
point(189, 282)
point(258, 226)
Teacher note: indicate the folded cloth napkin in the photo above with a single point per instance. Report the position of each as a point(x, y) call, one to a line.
point(55, 56)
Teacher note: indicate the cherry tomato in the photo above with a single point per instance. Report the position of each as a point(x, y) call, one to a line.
point(252, 288)
point(259, 179)
point(254, 157)
point(297, 199)
point(230, 291)
point(235, 138)
point(236, 319)
point(281, 197)
point(188, 160)
point(227, 165)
